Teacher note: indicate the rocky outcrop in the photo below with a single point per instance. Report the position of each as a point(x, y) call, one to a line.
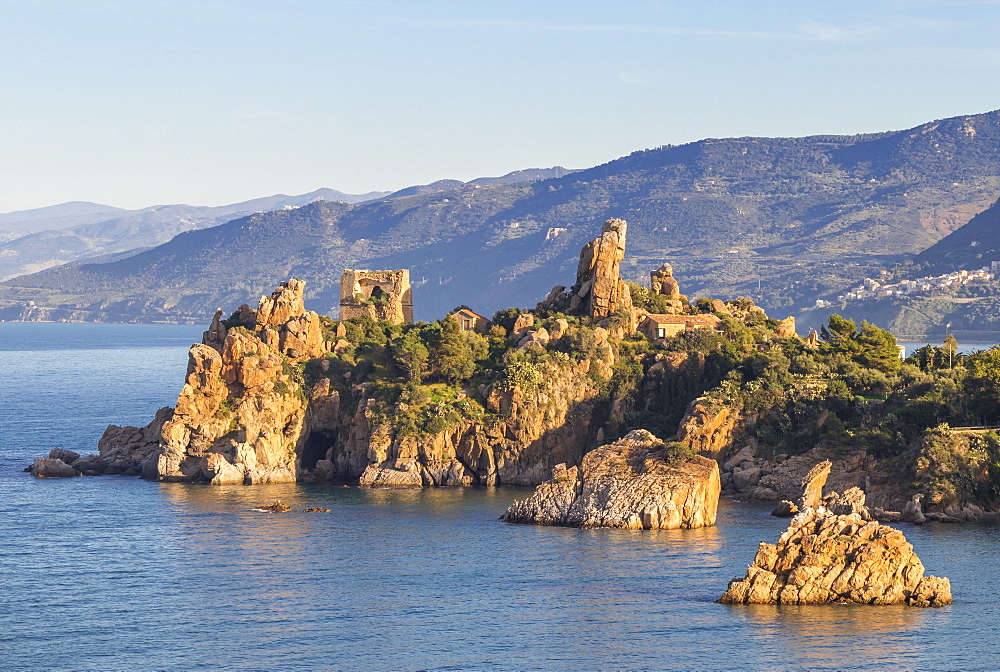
point(833, 552)
point(130, 450)
point(52, 467)
point(786, 328)
point(662, 281)
point(600, 291)
point(240, 416)
point(710, 427)
point(625, 484)
point(823, 558)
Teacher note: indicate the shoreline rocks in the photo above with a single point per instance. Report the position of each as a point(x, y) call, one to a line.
point(625, 484)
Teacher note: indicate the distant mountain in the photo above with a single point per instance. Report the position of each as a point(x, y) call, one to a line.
point(54, 217)
point(968, 247)
point(527, 175)
point(60, 234)
point(782, 220)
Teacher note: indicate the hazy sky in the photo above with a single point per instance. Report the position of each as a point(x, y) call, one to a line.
point(142, 102)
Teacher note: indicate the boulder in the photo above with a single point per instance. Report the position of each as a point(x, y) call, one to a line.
point(522, 324)
point(67, 456)
point(914, 511)
point(662, 281)
point(746, 479)
point(824, 558)
point(91, 465)
point(387, 477)
point(536, 337)
point(51, 467)
point(625, 484)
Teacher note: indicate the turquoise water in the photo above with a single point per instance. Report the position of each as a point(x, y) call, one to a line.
point(120, 574)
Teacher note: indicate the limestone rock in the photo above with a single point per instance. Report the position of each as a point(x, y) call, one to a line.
point(786, 328)
point(601, 292)
point(812, 486)
point(662, 281)
point(625, 484)
point(823, 557)
point(51, 467)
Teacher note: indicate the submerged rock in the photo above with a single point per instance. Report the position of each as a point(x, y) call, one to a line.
point(277, 507)
point(626, 484)
point(823, 558)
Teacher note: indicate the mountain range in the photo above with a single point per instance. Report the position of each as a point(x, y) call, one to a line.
point(781, 220)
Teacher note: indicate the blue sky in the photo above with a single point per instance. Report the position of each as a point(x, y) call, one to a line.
point(214, 101)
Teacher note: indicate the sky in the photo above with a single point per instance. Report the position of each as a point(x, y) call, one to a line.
point(143, 102)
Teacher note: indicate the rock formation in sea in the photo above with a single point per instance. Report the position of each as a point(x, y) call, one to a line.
point(631, 483)
point(825, 557)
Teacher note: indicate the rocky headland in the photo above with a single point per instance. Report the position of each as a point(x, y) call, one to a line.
point(278, 393)
point(634, 483)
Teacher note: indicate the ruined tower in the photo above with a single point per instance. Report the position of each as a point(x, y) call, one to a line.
point(382, 295)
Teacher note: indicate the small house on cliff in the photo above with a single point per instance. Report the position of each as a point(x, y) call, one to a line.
point(470, 320)
point(665, 326)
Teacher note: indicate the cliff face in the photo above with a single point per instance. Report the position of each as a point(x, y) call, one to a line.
point(240, 417)
point(625, 484)
point(530, 431)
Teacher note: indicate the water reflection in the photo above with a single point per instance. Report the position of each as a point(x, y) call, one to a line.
point(815, 635)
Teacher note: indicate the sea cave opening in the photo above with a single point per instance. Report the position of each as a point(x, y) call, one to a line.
point(315, 448)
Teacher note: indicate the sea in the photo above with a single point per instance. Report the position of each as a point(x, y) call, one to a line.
point(116, 573)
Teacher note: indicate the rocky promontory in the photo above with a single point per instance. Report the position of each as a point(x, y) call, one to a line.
point(632, 483)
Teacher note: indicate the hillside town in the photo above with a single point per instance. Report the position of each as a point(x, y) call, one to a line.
point(872, 289)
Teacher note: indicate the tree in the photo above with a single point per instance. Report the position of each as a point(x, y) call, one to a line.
point(409, 355)
point(877, 348)
point(454, 357)
point(950, 346)
point(838, 330)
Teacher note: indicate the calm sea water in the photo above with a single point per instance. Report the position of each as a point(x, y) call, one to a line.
point(121, 574)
